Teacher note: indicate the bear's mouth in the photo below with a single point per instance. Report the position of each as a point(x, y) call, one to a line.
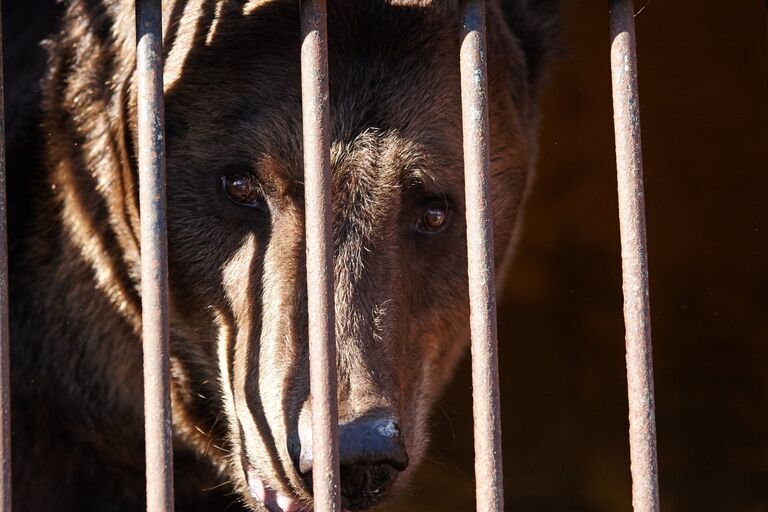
point(274, 501)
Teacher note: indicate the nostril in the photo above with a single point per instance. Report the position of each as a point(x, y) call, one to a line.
point(302, 452)
point(365, 442)
point(371, 454)
point(372, 441)
point(305, 458)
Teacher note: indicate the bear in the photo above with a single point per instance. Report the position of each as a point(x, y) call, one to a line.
point(239, 359)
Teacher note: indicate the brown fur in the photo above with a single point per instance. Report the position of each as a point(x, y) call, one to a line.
point(238, 285)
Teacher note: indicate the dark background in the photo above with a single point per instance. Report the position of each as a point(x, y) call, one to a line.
point(704, 104)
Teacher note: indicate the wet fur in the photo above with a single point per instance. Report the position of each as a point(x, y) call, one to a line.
point(239, 364)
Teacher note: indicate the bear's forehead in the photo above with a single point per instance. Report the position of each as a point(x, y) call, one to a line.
point(394, 89)
point(384, 59)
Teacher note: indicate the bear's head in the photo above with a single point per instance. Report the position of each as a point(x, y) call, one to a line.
point(236, 227)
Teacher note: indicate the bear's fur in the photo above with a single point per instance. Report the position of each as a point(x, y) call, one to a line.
point(238, 297)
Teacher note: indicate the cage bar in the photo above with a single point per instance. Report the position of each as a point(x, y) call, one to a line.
point(482, 293)
point(154, 256)
point(5, 364)
point(319, 239)
point(634, 258)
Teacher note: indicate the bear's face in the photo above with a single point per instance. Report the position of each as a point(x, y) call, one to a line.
point(236, 234)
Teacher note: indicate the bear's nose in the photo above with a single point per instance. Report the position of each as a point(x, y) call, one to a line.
point(371, 454)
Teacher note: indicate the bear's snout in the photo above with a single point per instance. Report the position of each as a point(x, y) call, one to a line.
point(372, 453)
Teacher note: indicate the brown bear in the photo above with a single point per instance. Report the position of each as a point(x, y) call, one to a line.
point(235, 218)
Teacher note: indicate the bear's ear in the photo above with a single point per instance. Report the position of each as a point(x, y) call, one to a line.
point(536, 25)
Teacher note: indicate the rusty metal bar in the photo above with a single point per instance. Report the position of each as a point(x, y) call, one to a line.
point(5, 343)
point(634, 258)
point(319, 233)
point(154, 256)
point(482, 293)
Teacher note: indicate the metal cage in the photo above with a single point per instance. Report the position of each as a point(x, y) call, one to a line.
point(317, 173)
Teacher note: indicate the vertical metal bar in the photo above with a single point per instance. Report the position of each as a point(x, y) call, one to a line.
point(319, 234)
point(154, 256)
point(482, 293)
point(634, 258)
point(5, 365)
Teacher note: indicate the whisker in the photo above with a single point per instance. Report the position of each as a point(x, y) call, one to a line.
point(222, 484)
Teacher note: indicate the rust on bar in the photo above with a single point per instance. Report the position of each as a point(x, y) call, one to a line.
point(154, 256)
point(319, 239)
point(634, 258)
point(5, 343)
point(482, 293)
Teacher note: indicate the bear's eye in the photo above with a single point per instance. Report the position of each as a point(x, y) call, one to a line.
point(242, 189)
point(434, 216)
